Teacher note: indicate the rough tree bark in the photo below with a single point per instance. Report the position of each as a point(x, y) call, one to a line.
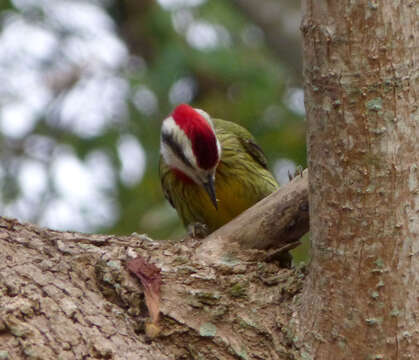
point(361, 72)
point(68, 295)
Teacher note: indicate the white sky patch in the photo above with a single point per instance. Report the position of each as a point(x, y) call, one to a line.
point(81, 190)
point(145, 100)
point(61, 215)
point(32, 60)
point(72, 179)
point(22, 96)
point(14, 44)
point(16, 120)
point(20, 109)
point(104, 51)
point(32, 178)
point(100, 166)
point(182, 91)
point(82, 13)
point(19, 84)
point(95, 40)
point(295, 100)
point(94, 104)
point(181, 20)
point(132, 157)
point(281, 169)
point(176, 4)
point(110, 50)
point(205, 36)
point(22, 208)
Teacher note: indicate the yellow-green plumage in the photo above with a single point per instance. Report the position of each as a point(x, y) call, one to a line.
point(241, 180)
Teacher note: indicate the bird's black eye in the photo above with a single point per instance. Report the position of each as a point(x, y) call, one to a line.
point(168, 139)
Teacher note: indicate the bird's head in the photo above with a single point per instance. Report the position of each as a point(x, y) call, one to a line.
point(189, 145)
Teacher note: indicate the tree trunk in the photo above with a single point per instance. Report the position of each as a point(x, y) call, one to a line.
point(67, 295)
point(360, 300)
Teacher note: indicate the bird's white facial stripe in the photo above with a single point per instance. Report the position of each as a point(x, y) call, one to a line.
point(170, 128)
point(173, 160)
point(219, 150)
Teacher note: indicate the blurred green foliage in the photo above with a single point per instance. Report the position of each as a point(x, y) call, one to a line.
point(237, 78)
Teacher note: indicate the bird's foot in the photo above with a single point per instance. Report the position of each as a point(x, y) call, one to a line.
point(298, 172)
point(198, 230)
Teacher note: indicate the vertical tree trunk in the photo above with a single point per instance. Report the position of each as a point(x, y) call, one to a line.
point(361, 86)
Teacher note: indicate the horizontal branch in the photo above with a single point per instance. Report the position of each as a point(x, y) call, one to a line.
point(274, 222)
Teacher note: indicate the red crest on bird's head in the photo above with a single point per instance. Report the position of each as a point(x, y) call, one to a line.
point(200, 134)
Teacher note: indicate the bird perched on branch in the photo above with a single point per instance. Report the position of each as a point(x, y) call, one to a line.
point(211, 170)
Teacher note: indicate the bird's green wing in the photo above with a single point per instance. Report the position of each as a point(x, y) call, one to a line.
point(164, 173)
point(246, 139)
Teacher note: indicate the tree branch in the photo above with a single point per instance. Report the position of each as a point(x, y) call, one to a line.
point(274, 222)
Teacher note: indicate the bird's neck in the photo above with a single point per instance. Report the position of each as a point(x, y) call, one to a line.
point(182, 176)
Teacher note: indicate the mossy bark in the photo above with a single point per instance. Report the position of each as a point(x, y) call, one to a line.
point(362, 88)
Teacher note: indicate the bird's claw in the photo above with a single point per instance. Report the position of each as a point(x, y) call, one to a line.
point(298, 172)
point(198, 230)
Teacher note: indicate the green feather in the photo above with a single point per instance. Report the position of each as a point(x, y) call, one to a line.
point(246, 139)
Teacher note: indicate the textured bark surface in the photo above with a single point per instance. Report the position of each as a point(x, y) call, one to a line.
point(361, 71)
point(66, 295)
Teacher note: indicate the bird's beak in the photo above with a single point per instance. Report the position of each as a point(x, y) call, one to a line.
point(210, 188)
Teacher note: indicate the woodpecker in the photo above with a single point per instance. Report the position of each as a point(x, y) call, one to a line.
point(211, 170)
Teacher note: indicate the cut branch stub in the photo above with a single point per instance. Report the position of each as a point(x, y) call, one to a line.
point(274, 222)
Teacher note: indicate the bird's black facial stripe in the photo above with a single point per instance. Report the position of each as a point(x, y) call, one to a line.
point(168, 140)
